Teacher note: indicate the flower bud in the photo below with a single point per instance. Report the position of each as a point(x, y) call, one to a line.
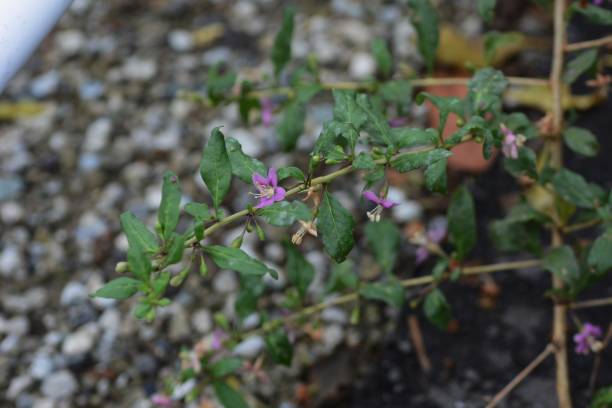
point(122, 267)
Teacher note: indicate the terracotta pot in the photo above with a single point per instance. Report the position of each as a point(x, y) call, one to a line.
point(467, 156)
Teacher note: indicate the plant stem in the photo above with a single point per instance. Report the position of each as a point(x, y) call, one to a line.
point(298, 189)
point(417, 82)
point(589, 44)
point(559, 336)
point(407, 283)
point(580, 226)
point(591, 303)
point(521, 376)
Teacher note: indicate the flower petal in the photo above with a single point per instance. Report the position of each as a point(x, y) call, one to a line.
point(259, 180)
point(387, 203)
point(279, 194)
point(421, 255)
point(370, 195)
point(264, 202)
point(272, 177)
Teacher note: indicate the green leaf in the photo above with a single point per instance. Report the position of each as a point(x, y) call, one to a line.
point(246, 103)
point(376, 124)
point(279, 347)
point(284, 213)
point(251, 289)
point(175, 249)
point(509, 236)
point(524, 164)
point(218, 85)
point(291, 125)
point(216, 168)
point(485, 90)
point(597, 15)
point(437, 309)
point(138, 235)
point(462, 222)
point(139, 263)
point(169, 208)
point(572, 187)
point(602, 399)
point(425, 20)
point(346, 109)
point(562, 262)
point(383, 238)
point(243, 166)
point(199, 211)
point(335, 226)
point(281, 50)
point(374, 176)
point(299, 271)
point(291, 171)
point(486, 9)
point(160, 284)
point(397, 91)
point(342, 277)
point(237, 260)
point(391, 292)
point(364, 161)
point(600, 254)
point(495, 41)
point(412, 137)
point(120, 288)
point(225, 366)
point(445, 106)
point(143, 309)
point(417, 160)
point(435, 176)
point(383, 57)
point(228, 396)
point(579, 65)
point(581, 141)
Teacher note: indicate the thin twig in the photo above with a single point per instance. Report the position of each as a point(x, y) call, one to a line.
point(521, 376)
point(580, 226)
point(591, 303)
point(407, 283)
point(559, 336)
point(597, 362)
point(589, 44)
point(417, 341)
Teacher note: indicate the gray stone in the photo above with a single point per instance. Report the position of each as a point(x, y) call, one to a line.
point(73, 293)
point(11, 261)
point(180, 40)
point(334, 315)
point(10, 188)
point(250, 347)
point(81, 341)
point(45, 84)
point(225, 282)
point(179, 323)
point(98, 134)
point(201, 321)
point(139, 69)
point(332, 336)
point(70, 42)
point(11, 213)
point(18, 385)
point(42, 365)
point(59, 385)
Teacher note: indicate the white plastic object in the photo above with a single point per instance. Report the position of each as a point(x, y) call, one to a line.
point(23, 26)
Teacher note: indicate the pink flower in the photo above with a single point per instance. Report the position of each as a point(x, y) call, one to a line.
point(510, 144)
point(162, 400)
point(267, 111)
point(586, 339)
point(436, 231)
point(381, 203)
point(269, 192)
point(598, 2)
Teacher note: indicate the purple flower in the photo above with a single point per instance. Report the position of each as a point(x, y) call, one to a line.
point(436, 231)
point(267, 111)
point(269, 192)
point(598, 2)
point(218, 337)
point(510, 144)
point(381, 203)
point(161, 400)
point(586, 339)
point(398, 122)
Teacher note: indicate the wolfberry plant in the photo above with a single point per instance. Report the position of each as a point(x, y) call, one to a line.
point(361, 142)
